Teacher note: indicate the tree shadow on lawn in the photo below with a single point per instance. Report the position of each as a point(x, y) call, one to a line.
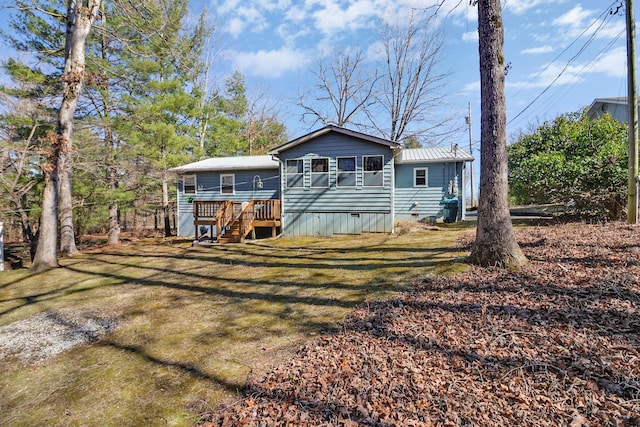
point(309, 302)
point(248, 257)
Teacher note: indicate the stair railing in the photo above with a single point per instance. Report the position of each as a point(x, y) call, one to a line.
point(224, 217)
point(245, 219)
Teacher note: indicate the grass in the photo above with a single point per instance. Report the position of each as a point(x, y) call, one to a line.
point(194, 323)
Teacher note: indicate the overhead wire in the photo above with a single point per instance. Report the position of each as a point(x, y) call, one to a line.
point(556, 96)
point(592, 37)
point(604, 13)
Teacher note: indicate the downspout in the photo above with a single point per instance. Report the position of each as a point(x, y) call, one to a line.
point(177, 208)
point(395, 152)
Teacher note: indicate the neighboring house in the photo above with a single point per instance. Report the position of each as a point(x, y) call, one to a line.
point(617, 107)
point(330, 181)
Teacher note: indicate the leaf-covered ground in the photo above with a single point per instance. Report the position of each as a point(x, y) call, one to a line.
point(556, 344)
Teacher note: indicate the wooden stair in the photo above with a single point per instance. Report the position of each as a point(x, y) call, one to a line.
point(234, 221)
point(232, 233)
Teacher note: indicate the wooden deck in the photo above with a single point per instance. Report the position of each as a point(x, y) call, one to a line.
point(232, 222)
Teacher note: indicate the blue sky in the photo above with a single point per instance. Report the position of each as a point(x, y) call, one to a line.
point(562, 54)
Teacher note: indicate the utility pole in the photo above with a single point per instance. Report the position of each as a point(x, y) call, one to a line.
point(470, 152)
point(632, 102)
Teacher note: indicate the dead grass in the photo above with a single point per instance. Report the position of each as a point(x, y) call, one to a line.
point(194, 323)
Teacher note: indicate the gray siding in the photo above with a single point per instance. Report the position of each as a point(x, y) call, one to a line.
point(417, 203)
point(334, 210)
point(332, 223)
point(208, 188)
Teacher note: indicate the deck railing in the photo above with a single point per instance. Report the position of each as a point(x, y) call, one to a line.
point(207, 209)
point(225, 214)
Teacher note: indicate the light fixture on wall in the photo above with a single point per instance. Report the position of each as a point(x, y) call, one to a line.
point(257, 183)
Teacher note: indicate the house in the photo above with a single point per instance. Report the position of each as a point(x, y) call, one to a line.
point(330, 181)
point(617, 107)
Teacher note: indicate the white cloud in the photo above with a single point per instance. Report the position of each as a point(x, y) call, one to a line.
point(574, 18)
point(612, 29)
point(472, 87)
point(269, 64)
point(470, 36)
point(519, 7)
point(235, 26)
point(296, 14)
point(332, 18)
point(246, 19)
point(227, 6)
point(613, 64)
point(578, 22)
point(537, 50)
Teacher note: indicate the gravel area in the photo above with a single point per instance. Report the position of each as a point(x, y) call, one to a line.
point(50, 333)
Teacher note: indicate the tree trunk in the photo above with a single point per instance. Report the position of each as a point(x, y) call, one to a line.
point(79, 21)
point(165, 207)
point(47, 246)
point(495, 243)
point(67, 231)
point(113, 234)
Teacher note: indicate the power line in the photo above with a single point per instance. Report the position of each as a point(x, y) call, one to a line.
point(587, 66)
point(567, 48)
point(566, 66)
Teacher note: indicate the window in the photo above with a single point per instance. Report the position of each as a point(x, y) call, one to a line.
point(295, 173)
point(319, 173)
point(346, 172)
point(420, 177)
point(189, 184)
point(372, 173)
point(227, 183)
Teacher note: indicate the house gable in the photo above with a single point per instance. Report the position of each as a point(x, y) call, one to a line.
point(354, 194)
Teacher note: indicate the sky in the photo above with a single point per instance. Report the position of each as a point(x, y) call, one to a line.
point(561, 54)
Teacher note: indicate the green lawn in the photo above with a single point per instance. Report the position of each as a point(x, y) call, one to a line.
point(193, 323)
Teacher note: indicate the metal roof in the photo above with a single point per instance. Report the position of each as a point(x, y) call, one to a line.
point(333, 128)
point(229, 163)
point(434, 154)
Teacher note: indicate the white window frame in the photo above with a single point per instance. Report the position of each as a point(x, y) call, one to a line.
point(301, 174)
point(426, 177)
point(184, 185)
point(365, 172)
point(315, 174)
point(233, 183)
point(354, 172)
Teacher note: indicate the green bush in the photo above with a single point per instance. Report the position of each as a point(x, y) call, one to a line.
point(575, 161)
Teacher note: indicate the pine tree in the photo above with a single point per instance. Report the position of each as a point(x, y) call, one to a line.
point(161, 101)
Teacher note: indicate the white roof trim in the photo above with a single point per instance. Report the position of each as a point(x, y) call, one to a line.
point(332, 128)
point(215, 164)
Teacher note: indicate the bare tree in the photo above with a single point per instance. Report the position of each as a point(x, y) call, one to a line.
point(412, 94)
point(26, 120)
point(343, 90)
point(57, 170)
point(495, 243)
